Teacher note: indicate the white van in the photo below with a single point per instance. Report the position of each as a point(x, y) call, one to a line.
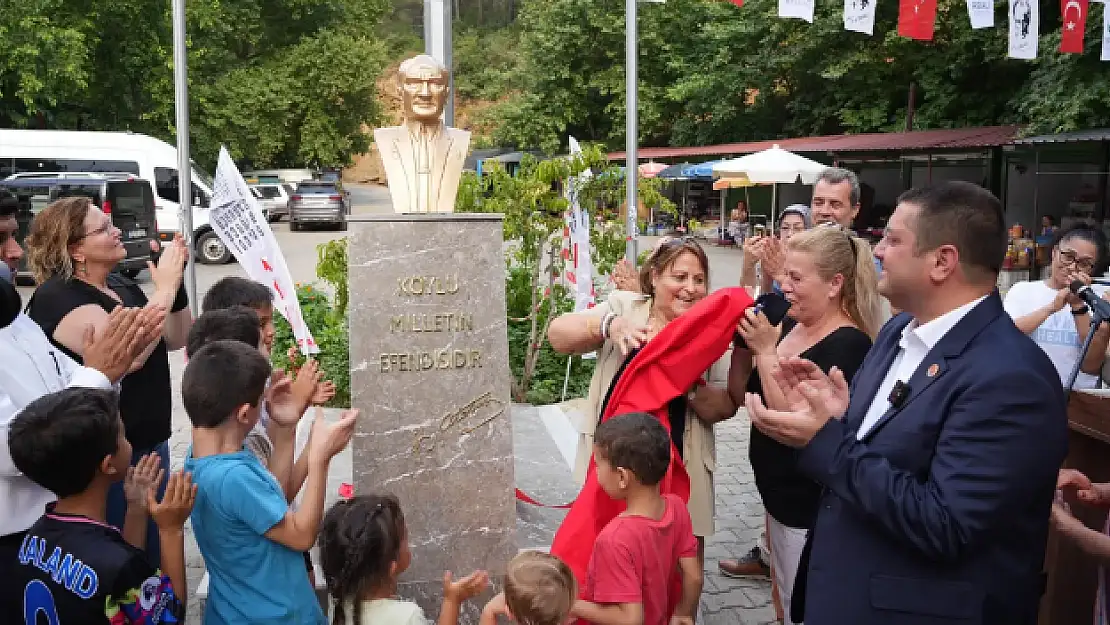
point(60, 151)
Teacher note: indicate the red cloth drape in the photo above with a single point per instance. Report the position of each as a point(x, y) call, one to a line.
point(664, 369)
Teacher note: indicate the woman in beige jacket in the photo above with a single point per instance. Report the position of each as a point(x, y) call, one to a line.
point(673, 279)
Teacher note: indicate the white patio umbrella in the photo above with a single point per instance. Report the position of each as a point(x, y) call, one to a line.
point(771, 166)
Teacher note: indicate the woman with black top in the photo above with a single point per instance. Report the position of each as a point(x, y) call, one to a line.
point(72, 250)
point(831, 284)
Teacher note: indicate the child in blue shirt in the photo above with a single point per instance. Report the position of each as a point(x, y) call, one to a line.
point(251, 541)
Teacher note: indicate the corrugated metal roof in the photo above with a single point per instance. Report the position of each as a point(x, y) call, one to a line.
point(941, 139)
point(1100, 134)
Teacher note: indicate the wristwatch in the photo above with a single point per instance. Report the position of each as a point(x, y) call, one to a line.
point(1082, 310)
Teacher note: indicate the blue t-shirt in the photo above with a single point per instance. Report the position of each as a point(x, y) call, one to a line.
point(252, 579)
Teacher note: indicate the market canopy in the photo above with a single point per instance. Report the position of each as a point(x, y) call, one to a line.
point(773, 165)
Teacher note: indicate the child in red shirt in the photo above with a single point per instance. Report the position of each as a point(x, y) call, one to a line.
point(629, 575)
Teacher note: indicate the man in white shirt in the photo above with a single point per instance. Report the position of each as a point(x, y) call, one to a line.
point(30, 367)
point(940, 469)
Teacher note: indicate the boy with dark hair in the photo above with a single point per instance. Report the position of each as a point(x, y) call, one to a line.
point(236, 291)
point(629, 575)
point(72, 566)
point(250, 538)
point(237, 323)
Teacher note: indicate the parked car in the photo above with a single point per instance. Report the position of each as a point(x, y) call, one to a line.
point(127, 198)
point(317, 202)
point(273, 198)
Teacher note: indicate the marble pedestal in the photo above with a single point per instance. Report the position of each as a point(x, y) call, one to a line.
point(430, 375)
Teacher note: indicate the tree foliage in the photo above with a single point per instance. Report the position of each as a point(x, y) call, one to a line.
point(712, 72)
point(281, 82)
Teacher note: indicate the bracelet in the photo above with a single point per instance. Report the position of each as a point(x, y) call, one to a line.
point(606, 322)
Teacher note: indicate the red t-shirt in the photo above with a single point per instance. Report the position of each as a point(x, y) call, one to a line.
point(634, 558)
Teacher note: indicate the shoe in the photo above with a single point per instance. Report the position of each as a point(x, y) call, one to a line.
point(749, 566)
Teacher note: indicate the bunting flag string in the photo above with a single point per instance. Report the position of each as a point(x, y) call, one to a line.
point(917, 20)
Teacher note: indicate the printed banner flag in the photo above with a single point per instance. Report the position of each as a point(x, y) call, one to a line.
point(981, 13)
point(859, 16)
point(581, 273)
point(1024, 29)
point(1073, 14)
point(917, 18)
point(238, 221)
point(799, 9)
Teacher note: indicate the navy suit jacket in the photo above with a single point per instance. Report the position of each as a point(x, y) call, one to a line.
point(940, 514)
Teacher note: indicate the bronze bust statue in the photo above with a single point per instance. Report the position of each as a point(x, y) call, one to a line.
point(423, 158)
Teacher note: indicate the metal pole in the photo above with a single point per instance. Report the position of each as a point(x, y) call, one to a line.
point(184, 165)
point(631, 128)
point(437, 44)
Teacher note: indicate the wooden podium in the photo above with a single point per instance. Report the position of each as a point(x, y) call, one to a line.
point(1069, 597)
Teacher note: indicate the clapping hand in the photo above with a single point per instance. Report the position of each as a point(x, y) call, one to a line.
point(813, 397)
point(625, 276)
point(494, 608)
point(283, 405)
point(167, 274)
point(323, 393)
point(326, 440)
point(470, 586)
point(306, 382)
point(176, 504)
point(142, 481)
point(112, 350)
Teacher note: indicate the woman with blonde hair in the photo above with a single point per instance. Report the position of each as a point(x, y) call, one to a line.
point(673, 279)
point(830, 281)
point(73, 248)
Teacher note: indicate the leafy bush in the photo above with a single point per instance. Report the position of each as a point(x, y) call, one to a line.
point(327, 321)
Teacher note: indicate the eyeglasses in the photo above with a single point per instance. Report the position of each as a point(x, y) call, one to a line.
point(107, 227)
point(1070, 257)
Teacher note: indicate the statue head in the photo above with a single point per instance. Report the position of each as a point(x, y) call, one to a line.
point(424, 88)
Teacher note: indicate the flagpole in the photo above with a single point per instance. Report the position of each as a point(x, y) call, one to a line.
point(184, 165)
point(631, 169)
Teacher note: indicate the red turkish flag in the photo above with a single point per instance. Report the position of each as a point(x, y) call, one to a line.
point(738, 3)
point(1073, 14)
point(916, 18)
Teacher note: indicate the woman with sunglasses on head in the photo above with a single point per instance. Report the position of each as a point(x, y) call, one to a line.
point(672, 280)
point(72, 249)
point(1053, 316)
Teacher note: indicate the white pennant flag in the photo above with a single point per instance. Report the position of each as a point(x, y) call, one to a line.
point(800, 9)
point(239, 223)
point(1024, 28)
point(981, 13)
point(1105, 56)
point(859, 16)
point(578, 228)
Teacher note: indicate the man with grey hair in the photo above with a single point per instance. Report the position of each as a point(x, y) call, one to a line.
point(836, 197)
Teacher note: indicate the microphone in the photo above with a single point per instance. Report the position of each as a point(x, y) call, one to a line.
point(1100, 306)
point(899, 394)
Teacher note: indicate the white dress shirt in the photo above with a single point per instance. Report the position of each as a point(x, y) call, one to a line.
point(915, 344)
point(30, 367)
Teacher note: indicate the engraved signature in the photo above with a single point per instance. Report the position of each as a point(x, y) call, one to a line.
point(477, 412)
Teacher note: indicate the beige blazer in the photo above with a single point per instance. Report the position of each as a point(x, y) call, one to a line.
point(699, 443)
point(398, 151)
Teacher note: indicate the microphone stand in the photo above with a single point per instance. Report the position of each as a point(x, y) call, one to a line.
point(1096, 321)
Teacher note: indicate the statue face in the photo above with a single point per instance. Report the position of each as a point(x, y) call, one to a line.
point(424, 93)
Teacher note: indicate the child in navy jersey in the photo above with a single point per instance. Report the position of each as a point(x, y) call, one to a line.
point(72, 566)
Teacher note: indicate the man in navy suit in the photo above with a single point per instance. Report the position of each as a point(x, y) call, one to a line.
point(939, 472)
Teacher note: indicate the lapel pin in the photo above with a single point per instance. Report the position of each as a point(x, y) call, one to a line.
point(933, 370)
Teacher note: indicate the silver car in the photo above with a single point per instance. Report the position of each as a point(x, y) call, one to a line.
point(273, 199)
point(317, 202)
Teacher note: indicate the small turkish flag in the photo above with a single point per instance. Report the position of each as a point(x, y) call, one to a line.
point(738, 3)
point(1073, 14)
point(916, 18)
